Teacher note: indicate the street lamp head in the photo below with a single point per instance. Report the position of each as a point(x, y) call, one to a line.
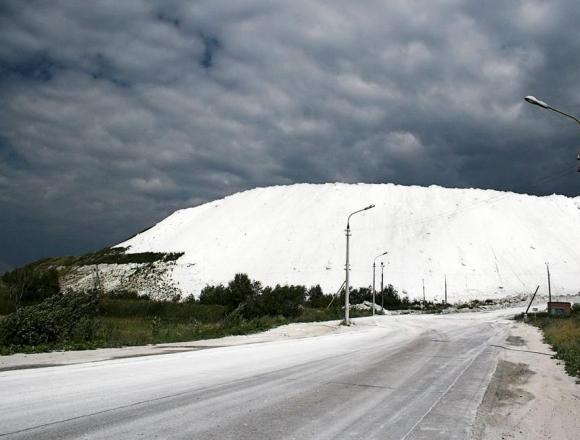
point(535, 101)
point(379, 256)
point(369, 207)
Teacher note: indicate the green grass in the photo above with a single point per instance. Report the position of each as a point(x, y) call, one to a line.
point(116, 332)
point(129, 331)
point(563, 334)
point(129, 322)
point(176, 311)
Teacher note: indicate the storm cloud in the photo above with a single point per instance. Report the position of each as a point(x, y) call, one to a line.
point(114, 114)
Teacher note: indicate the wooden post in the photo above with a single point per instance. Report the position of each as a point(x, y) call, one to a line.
point(549, 287)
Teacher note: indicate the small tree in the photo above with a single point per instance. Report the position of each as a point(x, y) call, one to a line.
point(240, 289)
point(391, 298)
point(358, 296)
point(237, 292)
point(286, 301)
point(214, 295)
point(28, 285)
point(316, 297)
point(315, 293)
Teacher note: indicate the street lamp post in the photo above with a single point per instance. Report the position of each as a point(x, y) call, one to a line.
point(374, 264)
point(535, 101)
point(382, 286)
point(347, 268)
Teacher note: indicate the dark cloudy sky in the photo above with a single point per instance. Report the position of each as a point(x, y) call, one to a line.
point(115, 113)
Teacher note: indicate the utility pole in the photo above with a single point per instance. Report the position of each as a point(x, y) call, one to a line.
point(445, 290)
point(549, 287)
point(382, 286)
point(374, 264)
point(423, 292)
point(374, 291)
point(347, 287)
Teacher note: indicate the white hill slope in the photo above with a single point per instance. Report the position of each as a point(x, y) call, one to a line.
point(487, 243)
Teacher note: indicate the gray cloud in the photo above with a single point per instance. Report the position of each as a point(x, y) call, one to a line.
point(116, 114)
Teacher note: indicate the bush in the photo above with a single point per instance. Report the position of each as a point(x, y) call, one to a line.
point(118, 255)
point(214, 295)
point(60, 318)
point(358, 296)
point(317, 299)
point(120, 307)
point(7, 305)
point(238, 291)
point(315, 293)
point(287, 301)
point(127, 294)
point(29, 286)
point(392, 299)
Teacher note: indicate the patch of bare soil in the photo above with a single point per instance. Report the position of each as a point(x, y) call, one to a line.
point(515, 340)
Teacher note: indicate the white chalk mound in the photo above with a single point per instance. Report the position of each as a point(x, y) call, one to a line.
point(487, 243)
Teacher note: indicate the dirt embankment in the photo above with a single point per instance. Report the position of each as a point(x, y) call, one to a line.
point(530, 395)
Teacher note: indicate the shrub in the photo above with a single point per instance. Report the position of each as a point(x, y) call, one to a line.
point(358, 296)
point(315, 294)
point(287, 301)
point(126, 294)
point(392, 299)
point(57, 319)
point(119, 256)
point(214, 295)
point(6, 302)
point(238, 291)
point(119, 307)
point(28, 285)
point(317, 299)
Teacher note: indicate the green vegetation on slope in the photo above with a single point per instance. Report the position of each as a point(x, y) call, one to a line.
point(37, 281)
point(115, 255)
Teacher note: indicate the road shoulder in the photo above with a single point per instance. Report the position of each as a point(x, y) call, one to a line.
point(530, 395)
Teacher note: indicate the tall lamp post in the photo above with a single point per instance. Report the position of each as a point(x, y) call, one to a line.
point(382, 286)
point(535, 101)
point(346, 287)
point(374, 265)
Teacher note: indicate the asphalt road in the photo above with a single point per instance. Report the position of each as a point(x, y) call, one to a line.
point(407, 377)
